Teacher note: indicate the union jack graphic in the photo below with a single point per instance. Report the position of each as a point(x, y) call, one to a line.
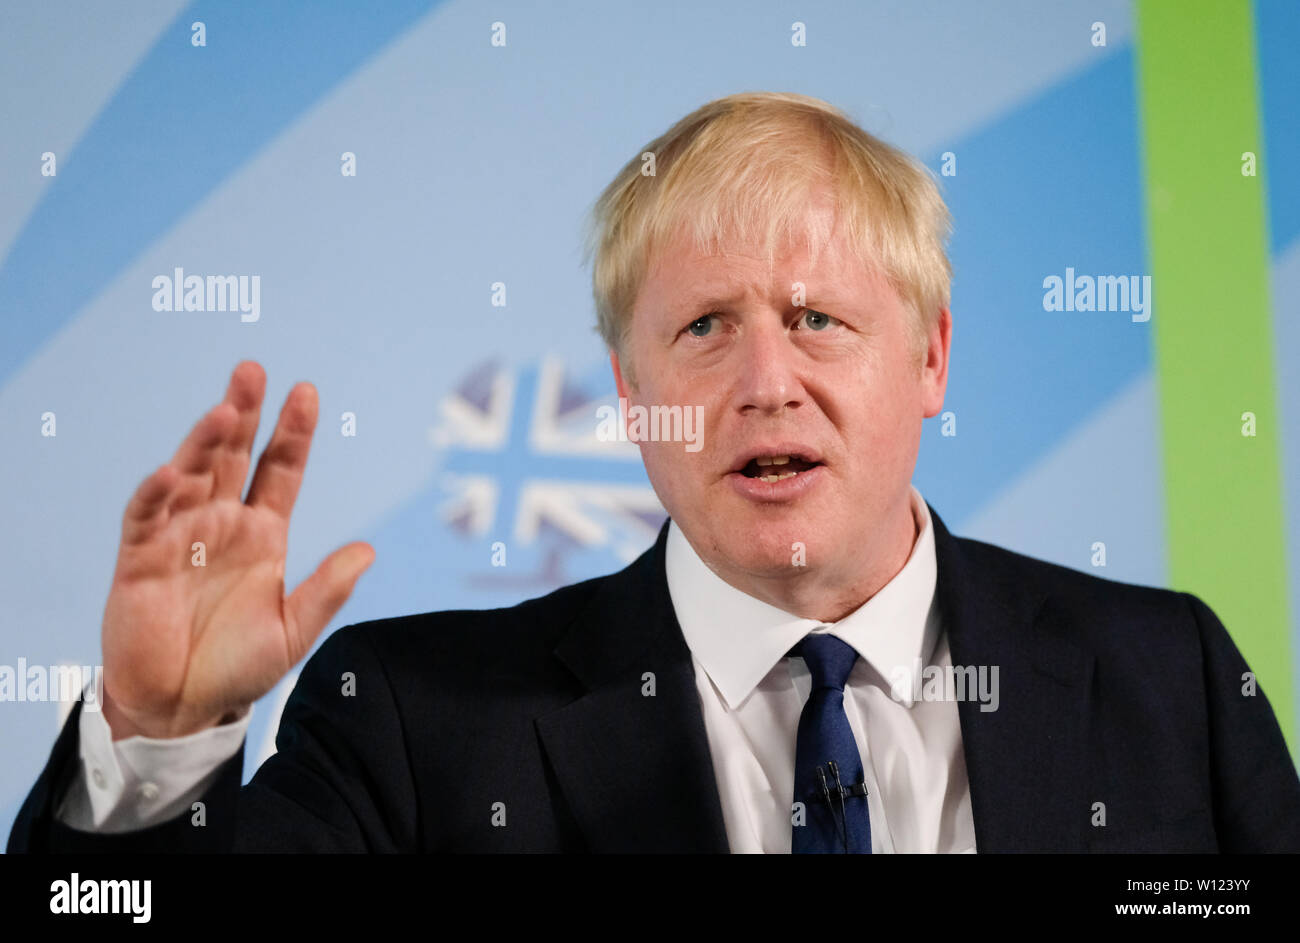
point(521, 460)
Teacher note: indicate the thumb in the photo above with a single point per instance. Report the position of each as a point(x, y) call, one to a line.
point(311, 606)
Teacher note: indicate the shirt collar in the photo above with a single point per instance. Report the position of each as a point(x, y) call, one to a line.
point(738, 639)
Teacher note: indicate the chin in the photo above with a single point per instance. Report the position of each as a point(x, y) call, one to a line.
point(765, 547)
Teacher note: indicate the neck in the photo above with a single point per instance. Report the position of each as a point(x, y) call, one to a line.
point(829, 593)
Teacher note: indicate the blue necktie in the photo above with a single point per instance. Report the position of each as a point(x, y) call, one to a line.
point(828, 768)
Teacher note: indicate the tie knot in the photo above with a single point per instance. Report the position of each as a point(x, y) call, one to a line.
point(829, 660)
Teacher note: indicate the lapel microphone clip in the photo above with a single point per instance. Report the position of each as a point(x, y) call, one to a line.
point(840, 792)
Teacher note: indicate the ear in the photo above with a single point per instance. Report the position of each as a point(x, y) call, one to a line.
point(620, 381)
point(934, 369)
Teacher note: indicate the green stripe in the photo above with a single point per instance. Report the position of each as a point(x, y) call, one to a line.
point(1212, 326)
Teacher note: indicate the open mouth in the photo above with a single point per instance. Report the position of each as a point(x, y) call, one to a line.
point(771, 468)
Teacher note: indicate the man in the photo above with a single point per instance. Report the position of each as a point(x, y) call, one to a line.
point(760, 679)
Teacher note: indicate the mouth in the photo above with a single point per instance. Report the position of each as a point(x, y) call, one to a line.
point(775, 461)
point(779, 475)
point(774, 468)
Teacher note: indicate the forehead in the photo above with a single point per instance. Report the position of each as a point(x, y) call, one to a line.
point(685, 274)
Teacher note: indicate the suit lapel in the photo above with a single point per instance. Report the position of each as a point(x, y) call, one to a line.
point(635, 766)
point(631, 755)
point(1025, 760)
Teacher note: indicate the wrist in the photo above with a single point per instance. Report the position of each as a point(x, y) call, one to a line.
point(122, 726)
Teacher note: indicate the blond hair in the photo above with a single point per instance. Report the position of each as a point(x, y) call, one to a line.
point(754, 162)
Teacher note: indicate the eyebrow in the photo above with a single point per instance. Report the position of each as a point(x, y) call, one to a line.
point(709, 298)
point(714, 297)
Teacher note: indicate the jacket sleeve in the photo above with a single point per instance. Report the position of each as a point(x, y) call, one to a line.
point(340, 780)
point(1255, 786)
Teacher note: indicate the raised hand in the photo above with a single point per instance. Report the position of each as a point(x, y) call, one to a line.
point(185, 645)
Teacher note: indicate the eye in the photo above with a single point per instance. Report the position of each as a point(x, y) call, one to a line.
point(816, 320)
point(700, 326)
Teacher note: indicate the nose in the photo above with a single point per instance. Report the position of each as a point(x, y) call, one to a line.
point(768, 378)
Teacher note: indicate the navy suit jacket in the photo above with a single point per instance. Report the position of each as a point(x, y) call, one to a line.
point(530, 729)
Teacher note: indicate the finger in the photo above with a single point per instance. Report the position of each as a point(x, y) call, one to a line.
point(311, 606)
point(146, 512)
point(245, 392)
point(279, 470)
point(196, 458)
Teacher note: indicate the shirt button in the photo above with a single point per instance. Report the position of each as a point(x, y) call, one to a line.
point(149, 792)
point(98, 776)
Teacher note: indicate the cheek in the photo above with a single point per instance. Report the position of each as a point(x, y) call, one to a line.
point(885, 420)
point(675, 477)
point(669, 465)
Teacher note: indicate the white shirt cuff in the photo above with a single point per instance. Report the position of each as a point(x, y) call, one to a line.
point(136, 782)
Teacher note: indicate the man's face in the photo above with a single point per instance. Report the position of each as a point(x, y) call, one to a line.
point(831, 380)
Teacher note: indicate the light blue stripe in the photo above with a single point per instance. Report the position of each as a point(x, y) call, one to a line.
point(183, 122)
point(1277, 29)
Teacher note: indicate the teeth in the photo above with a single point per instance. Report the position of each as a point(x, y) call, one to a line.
point(774, 478)
point(773, 460)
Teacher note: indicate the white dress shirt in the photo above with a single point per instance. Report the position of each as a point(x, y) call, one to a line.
point(751, 695)
point(136, 782)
